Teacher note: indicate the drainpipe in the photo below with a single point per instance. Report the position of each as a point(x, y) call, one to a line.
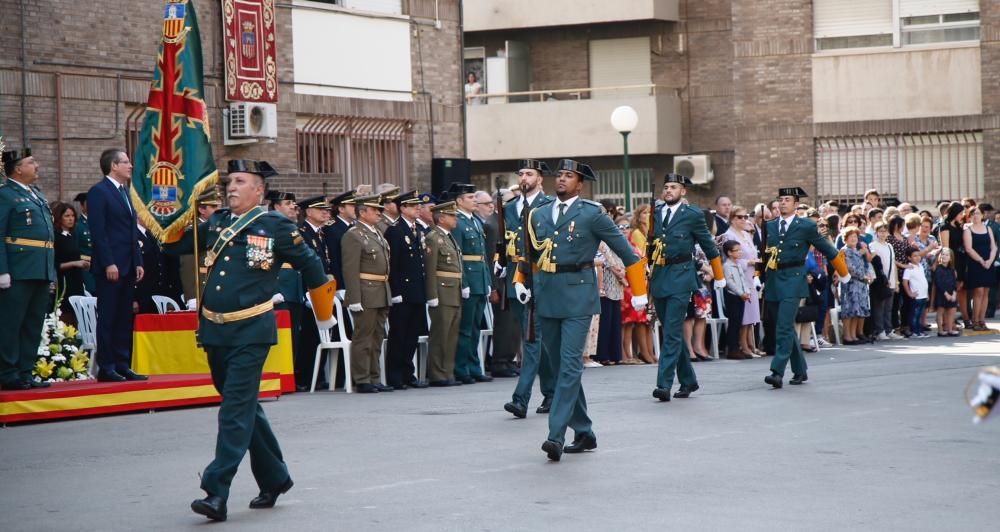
point(24, 83)
point(59, 132)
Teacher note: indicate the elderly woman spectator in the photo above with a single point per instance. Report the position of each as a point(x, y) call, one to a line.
point(609, 331)
point(855, 304)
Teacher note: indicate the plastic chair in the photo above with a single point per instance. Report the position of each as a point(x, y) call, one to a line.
point(716, 324)
point(85, 309)
point(423, 349)
point(835, 322)
point(485, 335)
point(326, 342)
point(165, 304)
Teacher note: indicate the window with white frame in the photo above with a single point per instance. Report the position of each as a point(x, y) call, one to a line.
point(840, 24)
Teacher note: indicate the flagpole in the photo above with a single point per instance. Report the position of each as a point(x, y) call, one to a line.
point(197, 263)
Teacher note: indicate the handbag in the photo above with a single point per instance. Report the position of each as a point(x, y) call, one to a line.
point(879, 289)
point(807, 314)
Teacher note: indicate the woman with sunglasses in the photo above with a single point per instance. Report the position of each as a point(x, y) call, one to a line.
point(741, 230)
point(981, 251)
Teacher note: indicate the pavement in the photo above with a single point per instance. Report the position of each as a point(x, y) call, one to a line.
point(878, 439)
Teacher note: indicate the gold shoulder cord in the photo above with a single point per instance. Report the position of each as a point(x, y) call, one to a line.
point(772, 262)
point(545, 247)
point(511, 237)
point(658, 259)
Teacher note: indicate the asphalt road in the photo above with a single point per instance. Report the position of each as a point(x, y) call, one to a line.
point(878, 439)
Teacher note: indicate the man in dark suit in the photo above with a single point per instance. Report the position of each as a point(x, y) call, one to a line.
point(343, 206)
point(313, 231)
point(723, 206)
point(152, 280)
point(117, 265)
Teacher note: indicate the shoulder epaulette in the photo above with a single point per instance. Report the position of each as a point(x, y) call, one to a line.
point(692, 208)
point(592, 202)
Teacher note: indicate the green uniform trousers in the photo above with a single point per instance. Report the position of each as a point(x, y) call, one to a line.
point(366, 344)
point(534, 360)
point(564, 340)
point(442, 339)
point(674, 356)
point(21, 329)
point(467, 354)
point(242, 424)
point(786, 337)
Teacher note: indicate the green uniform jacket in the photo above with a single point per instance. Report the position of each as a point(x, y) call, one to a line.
point(363, 250)
point(514, 227)
point(574, 294)
point(687, 227)
point(290, 284)
point(82, 233)
point(23, 216)
point(472, 242)
point(233, 284)
point(442, 256)
point(791, 282)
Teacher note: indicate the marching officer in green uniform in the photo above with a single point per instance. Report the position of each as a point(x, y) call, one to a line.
point(443, 283)
point(677, 227)
point(291, 294)
point(565, 234)
point(534, 361)
point(244, 249)
point(788, 241)
point(83, 241)
point(476, 285)
point(27, 269)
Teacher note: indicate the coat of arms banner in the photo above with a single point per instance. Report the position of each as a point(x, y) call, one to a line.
point(249, 43)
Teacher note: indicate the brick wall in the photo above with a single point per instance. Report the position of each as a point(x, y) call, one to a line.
point(990, 50)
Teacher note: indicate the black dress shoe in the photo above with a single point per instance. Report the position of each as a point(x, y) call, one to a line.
point(418, 384)
point(466, 380)
point(110, 376)
point(553, 449)
point(399, 386)
point(798, 379)
point(581, 443)
point(503, 374)
point(685, 391)
point(545, 407)
point(483, 378)
point(212, 507)
point(300, 388)
point(663, 394)
point(266, 499)
point(774, 380)
point(132, 376)
point(38, 384)
point(367, 388)
point(442, 384)
point(15, 386)
point(382, 387)
point(519, 411)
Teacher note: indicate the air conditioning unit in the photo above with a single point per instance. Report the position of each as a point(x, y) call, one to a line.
point(252, 120)
point(698, 168)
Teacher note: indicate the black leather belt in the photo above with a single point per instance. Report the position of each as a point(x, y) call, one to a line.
point(792, 264)
point(573, 268)
point(677, 260)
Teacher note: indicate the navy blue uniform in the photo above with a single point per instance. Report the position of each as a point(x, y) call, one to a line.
point(407, 319)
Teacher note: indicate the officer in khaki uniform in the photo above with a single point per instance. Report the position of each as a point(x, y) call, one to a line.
point(365, 255)
point(443, 267)
point(390, 212)
point(245, 247)
point(27, 268)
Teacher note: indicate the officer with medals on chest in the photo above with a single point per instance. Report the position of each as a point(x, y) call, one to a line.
point(83, 241)
point(27, 269)
point(443, 283)
point(313, 228)
point(365, 255)
point(345, 215)
point(408, 315)
point(534, 361)
point(789, 238)
point(313, 231)
point(565, 234)
point(291, 294)
point(677, 227)
point(244, 247)
point(476, 286)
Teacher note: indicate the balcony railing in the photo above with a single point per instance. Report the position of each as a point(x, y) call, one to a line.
point(485, 15)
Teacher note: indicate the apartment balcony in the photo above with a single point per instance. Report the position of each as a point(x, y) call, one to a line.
point(572, 123)
point(486, 15)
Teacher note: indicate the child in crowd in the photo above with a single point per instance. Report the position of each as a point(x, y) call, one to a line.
point(945, 296)
point(915, 284)
point(735, 295)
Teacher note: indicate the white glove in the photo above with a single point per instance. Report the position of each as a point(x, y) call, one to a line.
point(278, 299)
point(465, 293)
point(721, 283)
point(756, 283)
point(433, 303)
point(341, 294)
point(192, 304)
point(397, 300)
point(355, 307)
point(328, 324)
point(4, 281)
point(499, 271)
point(522, 293)
point(846, 279)
point(639, 302)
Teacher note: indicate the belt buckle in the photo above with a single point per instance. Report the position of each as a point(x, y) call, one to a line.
point(215, 317)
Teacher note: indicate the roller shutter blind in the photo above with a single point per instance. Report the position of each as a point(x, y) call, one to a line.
point(620, 62)
point(917, 8)
point(844, 18)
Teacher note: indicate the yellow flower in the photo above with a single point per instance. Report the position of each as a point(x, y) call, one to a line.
point(79, 362)
point(44, 368)
point(70, 331)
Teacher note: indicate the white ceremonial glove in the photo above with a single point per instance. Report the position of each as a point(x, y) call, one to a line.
point(756, 283)
point(639, 302)
point(341, 294)
point(522, 293)
point(721, 283)
point(845, 279)
point(328, 324)
point(465, 293)
point(4, 281)
point(192, 304)
point(433, 303)
point(278, 299)
point(355, 307)
point(499, 271)
point(397, 300)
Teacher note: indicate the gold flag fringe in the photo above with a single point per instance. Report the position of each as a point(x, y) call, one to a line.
point(163, 234)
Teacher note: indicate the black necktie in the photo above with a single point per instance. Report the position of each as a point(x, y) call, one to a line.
point(562, 211)
point(121, 189)
point(524, 205)
point(781, 227)
point(670, 214)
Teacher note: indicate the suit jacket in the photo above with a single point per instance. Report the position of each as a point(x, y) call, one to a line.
point(363, 250)
point(333, 234)
point(686, 227)
point(406, 262)
point(25, 216)
point(443, 256)
point(788, 283)
point(113, 229)
point(574, 241)
point(472, 242)
point(721, 225)
point(317, 241)
point(515, 234)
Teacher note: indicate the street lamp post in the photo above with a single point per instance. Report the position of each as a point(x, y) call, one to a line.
point(624, 119)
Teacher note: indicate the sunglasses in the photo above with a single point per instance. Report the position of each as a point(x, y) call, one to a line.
point(624, 226)
point(742, 216)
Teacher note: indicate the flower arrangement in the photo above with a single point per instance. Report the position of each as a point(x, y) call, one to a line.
point(59, 356)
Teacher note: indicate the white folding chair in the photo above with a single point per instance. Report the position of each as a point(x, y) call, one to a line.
point(85, 309)
point(835, 322)
point(485, 335)
point(423, 348)
point(326, 342)
point(716, 324)
point(381, 355)
point(165, 304)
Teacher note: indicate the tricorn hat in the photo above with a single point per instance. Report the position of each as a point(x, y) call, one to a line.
point(457, 189)
point(533, 164)
point(261, 168)
point(584, 170)
point(792, 191)
point(277, 195)
point(677, 178)
point(80, 198)
point(12, 157)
